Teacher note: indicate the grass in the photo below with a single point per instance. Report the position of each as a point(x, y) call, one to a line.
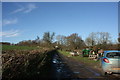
point(13, 47)
point(79, 58)
point(64, 52)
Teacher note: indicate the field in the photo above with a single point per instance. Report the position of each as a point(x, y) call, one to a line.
point(13, 47)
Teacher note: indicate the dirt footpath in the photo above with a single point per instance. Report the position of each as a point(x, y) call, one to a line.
point(85, 71)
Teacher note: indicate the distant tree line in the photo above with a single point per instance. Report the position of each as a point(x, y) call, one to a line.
point(119, 38)
point(99, 39)
point(72, 41)
point(119, 42)
point(46, 41)
point(5, 43)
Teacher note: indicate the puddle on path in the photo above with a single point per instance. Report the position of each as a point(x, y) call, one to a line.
point(60, 69)
point(76, 72)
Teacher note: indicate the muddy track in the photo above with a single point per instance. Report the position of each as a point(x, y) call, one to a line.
point(80, 70)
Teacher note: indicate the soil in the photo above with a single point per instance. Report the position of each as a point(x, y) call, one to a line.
point(81, 70)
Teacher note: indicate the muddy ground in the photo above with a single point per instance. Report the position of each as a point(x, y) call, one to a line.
point(67, 68)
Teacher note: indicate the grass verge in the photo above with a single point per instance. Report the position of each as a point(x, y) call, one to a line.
point(79, 58)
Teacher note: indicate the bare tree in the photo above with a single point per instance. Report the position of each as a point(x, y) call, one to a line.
point(61, 39)
point(88, 41)
point(48, 38)
point(119, 38)
point(104, 38)
point(98, 38)
point(74, 41)
point(91, 39)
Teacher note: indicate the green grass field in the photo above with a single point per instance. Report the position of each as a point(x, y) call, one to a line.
point(13, 47)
